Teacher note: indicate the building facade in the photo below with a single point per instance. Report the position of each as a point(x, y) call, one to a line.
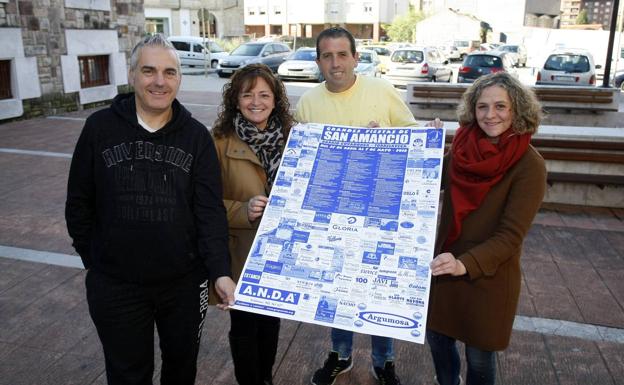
point(214, 18)
point(59, 55)
point(542, 13)
point(363, 18)
point(598, 12)
point(501, 14)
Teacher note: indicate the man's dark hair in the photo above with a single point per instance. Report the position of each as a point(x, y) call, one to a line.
point(335, 33)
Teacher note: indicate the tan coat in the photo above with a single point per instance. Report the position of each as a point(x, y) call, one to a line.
point(243, 177)
point(479, 308)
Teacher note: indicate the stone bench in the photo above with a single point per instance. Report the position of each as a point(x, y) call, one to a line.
point(585, 164)
point(441, 95)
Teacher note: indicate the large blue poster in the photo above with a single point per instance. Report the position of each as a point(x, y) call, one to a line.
point(349, 232)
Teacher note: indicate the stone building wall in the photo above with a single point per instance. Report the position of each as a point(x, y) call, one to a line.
point(43, 24)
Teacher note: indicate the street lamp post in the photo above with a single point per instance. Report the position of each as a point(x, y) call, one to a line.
point(612, 29)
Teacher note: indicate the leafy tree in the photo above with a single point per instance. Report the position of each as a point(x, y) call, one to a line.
point(403, 27)
point(582, 17)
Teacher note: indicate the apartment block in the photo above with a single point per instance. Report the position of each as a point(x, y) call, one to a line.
point(364, 18)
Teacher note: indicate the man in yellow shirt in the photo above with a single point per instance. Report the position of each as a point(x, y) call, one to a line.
point(361, 101)
point(347, 99)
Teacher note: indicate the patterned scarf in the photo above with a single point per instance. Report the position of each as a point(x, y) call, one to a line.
point(267, 144)
point(478, 164)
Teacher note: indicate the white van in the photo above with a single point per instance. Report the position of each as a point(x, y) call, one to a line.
point(192, 52)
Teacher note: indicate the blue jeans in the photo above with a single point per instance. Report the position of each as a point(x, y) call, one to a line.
point(382, 350)
point(481, 363)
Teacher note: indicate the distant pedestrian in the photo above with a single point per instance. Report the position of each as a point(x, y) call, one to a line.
point(494, 182)
point(145, 211)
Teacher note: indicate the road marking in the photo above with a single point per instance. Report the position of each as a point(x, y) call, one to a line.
point(568, 329)
point(36, 153)
point(66, 118)
point(522, 323)
point(57, 259)
point(200, 105)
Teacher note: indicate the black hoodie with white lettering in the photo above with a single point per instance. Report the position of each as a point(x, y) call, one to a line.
point(146, 207)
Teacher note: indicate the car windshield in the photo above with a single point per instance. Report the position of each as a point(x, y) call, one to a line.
point(483, 61)
point(509, 48)
point(215, 48)
point(365, 57)
point(247, 50)
point(307, 55)
point(380, 51)
point(567, 63)
point(407, 56)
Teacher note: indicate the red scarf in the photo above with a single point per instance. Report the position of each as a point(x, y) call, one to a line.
point(477, 165)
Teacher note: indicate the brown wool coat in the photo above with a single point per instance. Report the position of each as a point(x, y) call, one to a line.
point(479, 308)
point(243, 177)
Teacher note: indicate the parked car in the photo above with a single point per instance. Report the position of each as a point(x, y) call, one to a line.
point(618, 80)
point(417, 64)
point(481, 63)
point(383, 53)
point(466, 46)
point(270, 53)
point(451, 52)
point(301, 65)
point(192, 50)
point(518, 53)
point(368, 63)
point(569, 67)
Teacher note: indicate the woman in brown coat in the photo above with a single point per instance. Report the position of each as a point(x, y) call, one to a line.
point(250, 132)
point(494, 182)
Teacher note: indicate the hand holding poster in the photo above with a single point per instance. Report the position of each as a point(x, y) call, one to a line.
point(349, 231)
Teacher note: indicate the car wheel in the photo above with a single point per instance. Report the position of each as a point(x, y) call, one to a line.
point(222, 75)
point(214, 64)
point(622, 86)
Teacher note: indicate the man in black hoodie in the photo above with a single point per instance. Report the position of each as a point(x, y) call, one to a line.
point(145, 211)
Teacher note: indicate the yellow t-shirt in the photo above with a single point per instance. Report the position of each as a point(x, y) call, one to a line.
point(369, 99)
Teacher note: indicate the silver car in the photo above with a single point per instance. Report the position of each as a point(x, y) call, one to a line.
point(518, 53)
point(368, 63)
point(568, 67)
point(301, 65)
point(417, 64)
point(269, 53)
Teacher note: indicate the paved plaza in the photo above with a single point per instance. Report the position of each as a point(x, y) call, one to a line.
point(569, 329)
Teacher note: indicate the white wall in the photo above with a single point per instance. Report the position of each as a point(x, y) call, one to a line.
point(306, 12)
point(160, 13)
point(185, 22)
point(446, 26)
point(98, 5)
point(93, 42)
point(323, 11)
point(24, 73)
point(541, 41)
point(355, 12)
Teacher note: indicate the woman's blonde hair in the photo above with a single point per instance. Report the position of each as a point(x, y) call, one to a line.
point(527, 111)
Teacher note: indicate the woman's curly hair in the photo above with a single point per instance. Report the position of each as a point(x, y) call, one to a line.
point(527, 111)
point(244, 80)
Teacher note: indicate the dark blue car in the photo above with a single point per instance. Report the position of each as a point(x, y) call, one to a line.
point(479, 63)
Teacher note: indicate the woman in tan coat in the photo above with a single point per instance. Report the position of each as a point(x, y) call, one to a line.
point(494, 182)
point(250, 132)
